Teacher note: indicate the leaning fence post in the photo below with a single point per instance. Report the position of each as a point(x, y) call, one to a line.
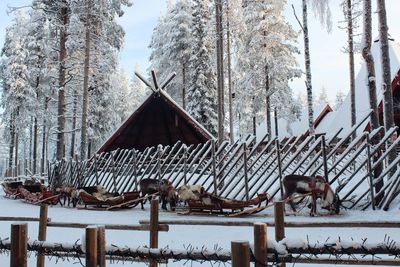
point(369, 169)
point(185, 164)
point(154, 228)
point(246, 178)
point(240, 253)
point(19, 246)
point(214, 167)
point(101, 246)
point(324, 160)
point(260, 244)
point(42, 232)
point(278, 156)
point(91, 246)
point(279, 208)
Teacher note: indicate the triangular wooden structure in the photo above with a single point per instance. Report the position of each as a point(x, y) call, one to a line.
point(158, 121)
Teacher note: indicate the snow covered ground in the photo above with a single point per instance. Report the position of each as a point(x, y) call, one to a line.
point(181, 236)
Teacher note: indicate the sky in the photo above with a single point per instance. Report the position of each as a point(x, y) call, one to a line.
point(328, 63)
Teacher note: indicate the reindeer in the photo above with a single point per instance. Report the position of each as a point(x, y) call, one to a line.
point(163, 186)
point(317, 186)
point(68, 195)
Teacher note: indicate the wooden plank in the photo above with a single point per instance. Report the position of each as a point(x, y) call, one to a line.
point(127, 227)
point(322, 224)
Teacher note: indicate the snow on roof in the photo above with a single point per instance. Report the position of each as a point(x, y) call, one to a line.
point(342, 116)
point(287, 128)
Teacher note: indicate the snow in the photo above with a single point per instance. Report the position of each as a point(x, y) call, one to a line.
point(287, 128)
point(181, 236)
point(361, 91)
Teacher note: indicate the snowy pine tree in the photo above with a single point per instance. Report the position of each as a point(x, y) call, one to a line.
point(202, 89)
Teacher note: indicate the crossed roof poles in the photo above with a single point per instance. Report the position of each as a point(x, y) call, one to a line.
point(156, 88)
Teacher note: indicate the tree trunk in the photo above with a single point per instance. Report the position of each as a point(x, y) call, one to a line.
point(61, 93)
point(369, 59)
point(308, 70)
point(85, 97)
point(73, 133)
point(386, 78)
point(35, 145)
point(12, 142)
point(42, 164)
point(16, 157)
point(351, 63)
point(30, 143)
point(228, 50)
point(220, 70)
point(267, 103)
point(184, 86)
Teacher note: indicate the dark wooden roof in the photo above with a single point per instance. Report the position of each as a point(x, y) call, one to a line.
point(159, 120)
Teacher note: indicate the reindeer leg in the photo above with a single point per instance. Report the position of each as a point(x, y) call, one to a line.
point(314, 205)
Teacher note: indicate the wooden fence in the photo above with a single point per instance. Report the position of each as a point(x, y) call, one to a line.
point(272, 250)
point(247, 167)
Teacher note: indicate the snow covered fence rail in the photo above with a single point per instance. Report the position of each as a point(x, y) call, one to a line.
point(287, 250)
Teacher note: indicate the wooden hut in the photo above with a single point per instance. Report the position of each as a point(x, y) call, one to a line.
point(159, 120)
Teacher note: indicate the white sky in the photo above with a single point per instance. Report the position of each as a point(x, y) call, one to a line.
point(329, 65)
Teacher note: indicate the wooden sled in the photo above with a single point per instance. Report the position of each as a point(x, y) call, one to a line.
point(37, 194)
point(211, 203)
point(108, 201)
point(11, 189)
point(131, 203)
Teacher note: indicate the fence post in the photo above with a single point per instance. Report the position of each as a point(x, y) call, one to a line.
point(246, 178)
point(159, 151)
point(91, 246)
point(42, 232)
point(279, 208)
point(154, 228)
point(240, 253)
point(370, 174)
point(260, 244)
point(19, 247)
point(325, 163)
point(95, 169)
point(101, 246)
point(185, 164)
point(278, 156)
point(114, 173)
point(214, 167)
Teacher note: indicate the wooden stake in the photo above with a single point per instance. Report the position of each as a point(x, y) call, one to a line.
point(240, 253)
point(280, 223)
point(19, 247)
point(260, 244)
point(101, 246)
point(42, 232)
point(154, 228)
point(246, 176)
point(91, 246)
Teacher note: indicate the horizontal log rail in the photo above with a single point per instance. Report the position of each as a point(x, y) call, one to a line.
point(138, 227)
point(352, 224)
point(132, 227)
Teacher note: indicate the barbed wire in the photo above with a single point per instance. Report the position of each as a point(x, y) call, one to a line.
point(287, 250)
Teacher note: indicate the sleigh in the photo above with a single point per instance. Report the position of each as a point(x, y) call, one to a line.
point(107, 200)
point(37, 194)
point(212, 203)
point(11, 189)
